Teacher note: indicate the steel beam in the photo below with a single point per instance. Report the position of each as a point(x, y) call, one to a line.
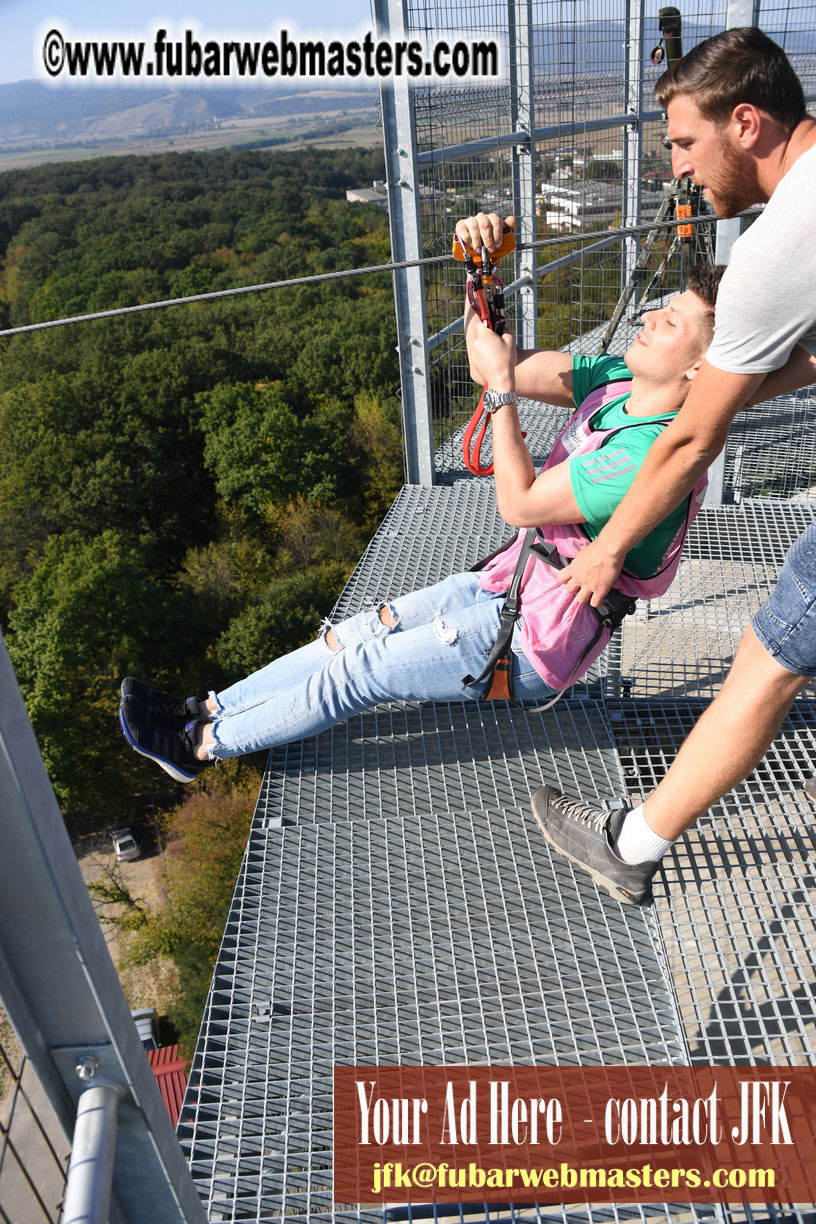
point(60, 988)
point(520, 23)
point(402, 181)
point(489, 144)
point(632, 134)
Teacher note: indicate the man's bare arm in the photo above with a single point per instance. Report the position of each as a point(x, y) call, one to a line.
point(540, 374)
point(674, 464)
point(524, 499)
point(798, 371)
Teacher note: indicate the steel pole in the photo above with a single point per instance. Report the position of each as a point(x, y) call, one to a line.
point(90, 1173)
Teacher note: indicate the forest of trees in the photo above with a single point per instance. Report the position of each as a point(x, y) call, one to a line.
point(183, 492)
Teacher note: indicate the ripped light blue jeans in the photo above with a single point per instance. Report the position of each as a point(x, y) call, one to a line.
point(442, 634)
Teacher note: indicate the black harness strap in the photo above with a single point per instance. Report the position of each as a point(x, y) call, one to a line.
point(609, 614)
point(499, 666)
point(498, 669)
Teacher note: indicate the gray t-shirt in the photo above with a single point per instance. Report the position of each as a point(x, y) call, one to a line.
point(767, 298)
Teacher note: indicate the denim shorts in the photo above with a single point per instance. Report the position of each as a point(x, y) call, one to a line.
point(786, 623)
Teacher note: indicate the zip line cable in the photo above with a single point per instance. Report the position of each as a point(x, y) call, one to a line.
point(623, 232)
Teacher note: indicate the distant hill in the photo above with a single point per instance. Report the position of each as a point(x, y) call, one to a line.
point(33, 114)
point(37, 117)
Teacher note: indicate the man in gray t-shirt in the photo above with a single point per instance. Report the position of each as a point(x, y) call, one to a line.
point(767, 303)
point(738, 125)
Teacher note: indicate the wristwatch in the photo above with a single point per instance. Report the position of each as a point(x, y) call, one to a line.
point(495, 399)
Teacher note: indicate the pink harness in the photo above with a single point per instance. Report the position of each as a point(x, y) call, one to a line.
point(561, 637)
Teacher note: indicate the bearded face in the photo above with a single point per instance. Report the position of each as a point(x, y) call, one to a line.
point(731, 181)
point(709, 153)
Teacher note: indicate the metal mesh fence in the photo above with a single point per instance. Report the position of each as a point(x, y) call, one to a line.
point(584, 66)
point(579, 93)
point(33, 1150)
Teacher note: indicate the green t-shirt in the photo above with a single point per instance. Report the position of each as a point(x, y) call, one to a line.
point(600, 480)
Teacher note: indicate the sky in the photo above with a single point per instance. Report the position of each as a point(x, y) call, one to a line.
point(21, 20)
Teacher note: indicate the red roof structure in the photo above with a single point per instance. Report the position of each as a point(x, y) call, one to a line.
point(170, 1070)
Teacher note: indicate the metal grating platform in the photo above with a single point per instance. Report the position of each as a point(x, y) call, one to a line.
point(396, 904)
point(410, 760)
point(414, 913)
point(451, 939)
point(681, 644)
point(427, 534)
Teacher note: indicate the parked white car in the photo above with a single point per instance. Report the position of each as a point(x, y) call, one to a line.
point(125, 845)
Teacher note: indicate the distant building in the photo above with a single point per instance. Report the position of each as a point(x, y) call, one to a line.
point(569, 208)
point(376, 194)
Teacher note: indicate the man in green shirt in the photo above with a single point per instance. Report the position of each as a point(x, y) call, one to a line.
point(600, 480)
point(429, 644)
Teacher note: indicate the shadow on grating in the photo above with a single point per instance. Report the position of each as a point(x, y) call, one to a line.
point(410, 759)
point(742, 951)
point(739, 918)
point(451, 939)
point(771, 448)
point(681, 644)
point(648, 734)
point(757, 531)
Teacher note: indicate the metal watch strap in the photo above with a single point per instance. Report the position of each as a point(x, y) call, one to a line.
point(495, 399)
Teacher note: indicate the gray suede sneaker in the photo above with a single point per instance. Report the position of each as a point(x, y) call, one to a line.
point(585, 835)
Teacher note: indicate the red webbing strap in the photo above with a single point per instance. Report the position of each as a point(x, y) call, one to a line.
point(472, 455)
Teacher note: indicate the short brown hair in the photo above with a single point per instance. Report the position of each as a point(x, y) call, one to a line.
point(739, 65)
point(704, 281)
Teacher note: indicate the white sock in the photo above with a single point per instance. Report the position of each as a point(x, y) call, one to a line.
point(637, 843)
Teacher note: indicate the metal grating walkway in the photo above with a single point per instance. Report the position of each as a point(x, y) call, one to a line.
point(397, 903)
point(681, 644)
point(454, 938)
point(412, 760)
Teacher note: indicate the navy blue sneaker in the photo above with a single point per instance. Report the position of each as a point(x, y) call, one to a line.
point(179, 707)
point(585, 835)
point(162, 738)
